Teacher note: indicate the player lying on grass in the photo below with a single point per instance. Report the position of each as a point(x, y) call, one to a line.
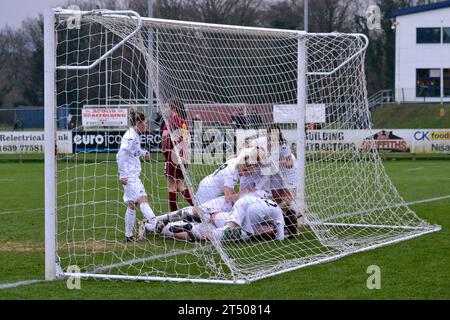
point(188, 214)
point(129, 165)
point(252, 217)
point(224, 179)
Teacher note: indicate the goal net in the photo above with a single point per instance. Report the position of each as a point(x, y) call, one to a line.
point(243, 89)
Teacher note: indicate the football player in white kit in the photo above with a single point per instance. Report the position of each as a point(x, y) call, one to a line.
point(223, 180)
point(257, 219)
point(282, 184)
point(214, 210)
point(129, 164)
point(252, 216)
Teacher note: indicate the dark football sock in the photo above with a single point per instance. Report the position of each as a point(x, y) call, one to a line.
point(187, 196)
point(173, 202)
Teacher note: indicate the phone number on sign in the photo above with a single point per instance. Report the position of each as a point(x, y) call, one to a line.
point(22, 148)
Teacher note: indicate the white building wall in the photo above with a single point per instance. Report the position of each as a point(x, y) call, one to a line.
point(410, 55)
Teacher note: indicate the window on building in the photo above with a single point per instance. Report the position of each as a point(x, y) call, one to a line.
point(446, 35)
point(428, 35)
point(428, 83)
point(446, 82)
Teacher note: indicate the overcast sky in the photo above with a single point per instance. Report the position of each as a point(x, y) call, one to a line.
point(13, 12)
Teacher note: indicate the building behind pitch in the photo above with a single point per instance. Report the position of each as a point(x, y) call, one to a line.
point(422, 53)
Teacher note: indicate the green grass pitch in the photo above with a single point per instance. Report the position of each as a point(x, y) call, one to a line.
point(418, 268)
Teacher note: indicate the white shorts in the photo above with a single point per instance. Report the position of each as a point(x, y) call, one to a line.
point(133, 190)
point(284, 179)
point(200, 229)
point(290, 177)
point(216, 205)
point(277, 181)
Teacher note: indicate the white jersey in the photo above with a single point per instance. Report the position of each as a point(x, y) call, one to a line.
point(286, 178)
point(213, 185)
point(128, 157)
point(251, 212)
point(219, 204)
point(284, 151)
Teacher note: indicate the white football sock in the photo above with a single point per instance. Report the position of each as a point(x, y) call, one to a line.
point(188, 211)
point(176, 215)
point(147, 211)
point(166, 232)
point(150, 226)
point(130, 218)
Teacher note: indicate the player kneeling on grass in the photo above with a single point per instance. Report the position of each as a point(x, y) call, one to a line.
point(252, 218)
point(283, 182)
point(188, 215)
point(129, 164)
point(193, 231)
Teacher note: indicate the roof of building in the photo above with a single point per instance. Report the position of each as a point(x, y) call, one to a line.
point(423, 8)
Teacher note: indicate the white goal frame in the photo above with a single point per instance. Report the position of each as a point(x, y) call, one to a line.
point(52, 268)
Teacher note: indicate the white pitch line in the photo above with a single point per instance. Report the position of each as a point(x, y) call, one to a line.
point(116, 265)
point(140, 260)
point(20, 211)
point(429, 200)
point(414, 169)
point(19, 283)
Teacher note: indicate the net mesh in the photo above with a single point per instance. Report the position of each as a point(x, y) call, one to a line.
point(229, 80)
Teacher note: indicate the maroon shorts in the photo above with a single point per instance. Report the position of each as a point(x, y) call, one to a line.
point(172, 170)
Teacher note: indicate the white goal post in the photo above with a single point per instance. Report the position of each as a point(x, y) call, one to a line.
point(231, 80)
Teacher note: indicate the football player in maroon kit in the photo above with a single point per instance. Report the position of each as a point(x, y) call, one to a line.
point(179, 140)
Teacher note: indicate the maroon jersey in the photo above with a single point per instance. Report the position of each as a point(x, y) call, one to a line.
point(179, 131)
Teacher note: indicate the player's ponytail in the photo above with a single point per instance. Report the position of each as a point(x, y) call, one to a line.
point(276, 129)
point(136, 116)
point(177, 105)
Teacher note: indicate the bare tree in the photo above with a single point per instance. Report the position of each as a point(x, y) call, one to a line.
point(173, 9)
point(286, 14)
point(237, 12)
point(331, 15)
point(15, 56)
point(140, 6)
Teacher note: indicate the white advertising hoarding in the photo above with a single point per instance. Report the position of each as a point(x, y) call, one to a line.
point(32, 142)
point(287, 113)
point(395, 140)
point(102, 116)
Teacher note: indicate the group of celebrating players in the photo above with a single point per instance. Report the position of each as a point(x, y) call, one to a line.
point(263, 208)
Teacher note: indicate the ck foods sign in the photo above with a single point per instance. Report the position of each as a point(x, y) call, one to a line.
point(109, 141)
point(431, 141)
